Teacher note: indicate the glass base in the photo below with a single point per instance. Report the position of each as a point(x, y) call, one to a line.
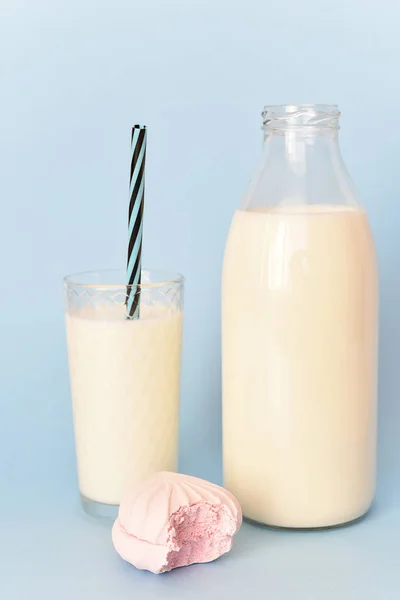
point(319, 528)
point(98, 510)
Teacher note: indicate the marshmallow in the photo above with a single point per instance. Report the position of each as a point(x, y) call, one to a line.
point(172, 520)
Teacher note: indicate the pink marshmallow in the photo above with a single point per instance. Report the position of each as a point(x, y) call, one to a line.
point(172, 520)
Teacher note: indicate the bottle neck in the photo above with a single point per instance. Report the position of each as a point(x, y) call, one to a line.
point(303, 151)
point(301, 161)
point(301, 116)
point(304, 136)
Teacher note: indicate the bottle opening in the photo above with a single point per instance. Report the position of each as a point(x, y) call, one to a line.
point(300, 116)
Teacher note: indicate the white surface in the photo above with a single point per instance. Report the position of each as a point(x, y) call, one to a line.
point(50, 553)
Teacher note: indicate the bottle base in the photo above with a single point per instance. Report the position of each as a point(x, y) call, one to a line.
point(312, 528)
point(99, 510)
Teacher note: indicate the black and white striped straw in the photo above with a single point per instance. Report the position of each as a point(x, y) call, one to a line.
point(135, 223)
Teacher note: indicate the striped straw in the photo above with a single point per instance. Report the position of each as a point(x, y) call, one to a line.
point(136, 204)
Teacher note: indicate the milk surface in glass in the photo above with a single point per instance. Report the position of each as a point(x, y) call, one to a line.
point(125, 380)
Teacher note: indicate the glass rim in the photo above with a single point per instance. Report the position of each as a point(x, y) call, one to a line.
point(166, 278)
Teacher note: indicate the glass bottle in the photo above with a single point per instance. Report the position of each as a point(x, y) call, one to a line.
point(299, 332)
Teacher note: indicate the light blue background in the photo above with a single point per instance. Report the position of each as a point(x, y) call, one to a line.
point(74, 77)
